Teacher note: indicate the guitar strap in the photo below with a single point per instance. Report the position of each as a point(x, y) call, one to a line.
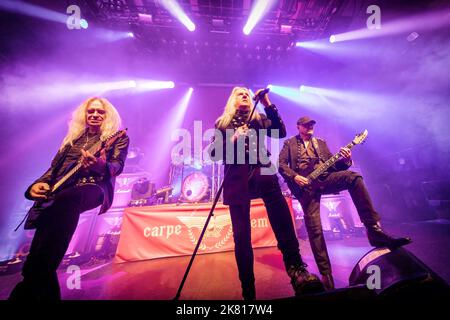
point(316, 147)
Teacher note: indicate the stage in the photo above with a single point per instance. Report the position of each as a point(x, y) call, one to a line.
point(214, 276)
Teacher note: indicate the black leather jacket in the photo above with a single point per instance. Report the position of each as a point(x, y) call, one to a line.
point(290, 156)
point(236, 187)
point(115, 160)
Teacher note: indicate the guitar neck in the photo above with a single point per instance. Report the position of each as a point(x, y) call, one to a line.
point(327, 164)
point(93, 150)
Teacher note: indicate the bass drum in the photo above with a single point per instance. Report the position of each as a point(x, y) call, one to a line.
point(195, 187)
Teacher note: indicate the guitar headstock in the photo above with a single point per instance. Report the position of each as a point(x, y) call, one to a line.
point(361, 137)
point(109, 140)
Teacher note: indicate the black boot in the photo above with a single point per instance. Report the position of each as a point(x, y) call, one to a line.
point(378, 238)
point(304, 282)
point(249, 292)
point(328, 281)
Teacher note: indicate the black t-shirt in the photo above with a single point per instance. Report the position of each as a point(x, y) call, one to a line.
point(86, 141)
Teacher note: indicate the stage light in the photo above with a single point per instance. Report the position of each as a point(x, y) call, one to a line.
point(218, 23)
point(148, 85)
point(320, 44)
point(433, 20)
point(33, 11)
point(110, 35)
point(333, 100)
point(288, 93)
point(175, 10)
point(332, 38)
point(180, 110)
point(84, 24)
point(260, 8)
point(173, 122)
point(285, 29)
point(102, 87)
point(412, 36)
point(145, 18)
point(301, 96)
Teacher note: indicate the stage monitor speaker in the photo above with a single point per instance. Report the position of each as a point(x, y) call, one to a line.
point(142, 189)
point(401, 274)
point(124, 187)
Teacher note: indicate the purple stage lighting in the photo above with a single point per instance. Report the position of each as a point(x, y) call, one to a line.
point(105, 35)
point(332, 38)
point(412, 36)
point(173, 122)
point(145, 18)
point(33, 11)
point(434, 20)
point(260, 8)
point(100, 88)
point(175, 10)
point(298, 95)
point(150, 85)
point(314, 44)
point(180, 109)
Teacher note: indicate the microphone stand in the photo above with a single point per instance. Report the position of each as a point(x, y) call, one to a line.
point(210, 215)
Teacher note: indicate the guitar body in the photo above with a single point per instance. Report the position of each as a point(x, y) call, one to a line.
point(318, 175)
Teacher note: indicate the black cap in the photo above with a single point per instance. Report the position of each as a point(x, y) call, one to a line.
point(305, 120)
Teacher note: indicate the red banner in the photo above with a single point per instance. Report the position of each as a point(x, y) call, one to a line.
point(170, 230)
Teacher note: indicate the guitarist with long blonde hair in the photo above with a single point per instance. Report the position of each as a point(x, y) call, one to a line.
point(81, 177)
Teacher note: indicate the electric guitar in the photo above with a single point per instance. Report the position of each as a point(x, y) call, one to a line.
point(313, 177)
point(40, 206)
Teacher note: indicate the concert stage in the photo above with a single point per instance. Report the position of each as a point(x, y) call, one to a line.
point(214, 276)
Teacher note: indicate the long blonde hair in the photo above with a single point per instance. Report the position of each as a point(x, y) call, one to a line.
point(77, 124)
point(230, 109)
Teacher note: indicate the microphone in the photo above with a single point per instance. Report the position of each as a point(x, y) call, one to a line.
point(261, 94)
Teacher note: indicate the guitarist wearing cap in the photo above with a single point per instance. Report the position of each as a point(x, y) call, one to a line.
point(81, 177)
point(302, 160)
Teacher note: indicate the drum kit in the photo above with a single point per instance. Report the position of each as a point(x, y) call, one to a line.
point(195, 181)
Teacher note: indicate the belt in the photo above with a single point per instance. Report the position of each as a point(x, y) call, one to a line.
point(89, 180)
